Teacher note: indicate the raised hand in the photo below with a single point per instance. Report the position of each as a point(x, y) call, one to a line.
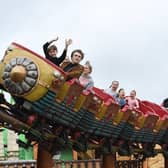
point(68, 42)
point(55, 39)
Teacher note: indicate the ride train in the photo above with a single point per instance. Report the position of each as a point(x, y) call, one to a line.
point(58, 114)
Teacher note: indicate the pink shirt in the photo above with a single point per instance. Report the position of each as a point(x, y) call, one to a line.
point(132, 103)
point(86, 81)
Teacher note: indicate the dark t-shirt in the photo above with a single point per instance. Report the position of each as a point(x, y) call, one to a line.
point(56, 60)
point(69, 66)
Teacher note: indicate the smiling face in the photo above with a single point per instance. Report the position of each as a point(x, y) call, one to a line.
point(76, 57)
point(133, 93)
point(121, 93)
point(86, 70)
point(115, 85)
point(52, 53)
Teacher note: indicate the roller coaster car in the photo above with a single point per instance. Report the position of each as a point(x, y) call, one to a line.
point(109, 108)
point(69, 90)
point(26, 74)
point(51, 110)
point(146, 123)
point(161, 112)
point(162, 123)
point(149, 118)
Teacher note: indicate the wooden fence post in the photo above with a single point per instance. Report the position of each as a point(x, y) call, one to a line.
point(166, 161)
point(109, 161)
point(44, 159)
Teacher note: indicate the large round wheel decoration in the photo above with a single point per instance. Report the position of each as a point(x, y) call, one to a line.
point(20, 76)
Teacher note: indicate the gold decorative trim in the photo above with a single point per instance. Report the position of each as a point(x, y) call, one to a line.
point(43, 84)
point(79, 102)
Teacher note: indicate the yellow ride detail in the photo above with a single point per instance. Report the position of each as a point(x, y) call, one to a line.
point(45, 73)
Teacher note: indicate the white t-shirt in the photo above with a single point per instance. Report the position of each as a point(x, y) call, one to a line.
point(111, 92)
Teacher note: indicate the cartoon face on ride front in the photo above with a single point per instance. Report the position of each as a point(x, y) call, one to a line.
point(20, 76)
point(57, 113)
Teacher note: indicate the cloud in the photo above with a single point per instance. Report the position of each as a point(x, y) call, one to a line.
point(124, 40)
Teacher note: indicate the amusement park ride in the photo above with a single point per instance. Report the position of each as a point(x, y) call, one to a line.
point(58, 114)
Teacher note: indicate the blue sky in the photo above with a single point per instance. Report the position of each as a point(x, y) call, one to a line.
point(124, 40)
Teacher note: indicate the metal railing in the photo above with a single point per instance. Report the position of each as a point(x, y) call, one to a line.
point(94, 163)
point(18, 164)
point(129, 164)
point(97, 163)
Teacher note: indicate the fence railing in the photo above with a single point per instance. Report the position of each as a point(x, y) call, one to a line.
point(129, 164)
point(96, 163)
point(18, 164)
